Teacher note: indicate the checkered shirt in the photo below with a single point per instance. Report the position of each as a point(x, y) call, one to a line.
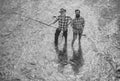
point(78, 24)
point(63, 22)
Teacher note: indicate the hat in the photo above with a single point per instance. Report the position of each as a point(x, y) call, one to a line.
point(77, 10)
point(62, 10)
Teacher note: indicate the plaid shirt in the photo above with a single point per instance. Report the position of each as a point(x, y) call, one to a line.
point(78, 24)
point(63, 22)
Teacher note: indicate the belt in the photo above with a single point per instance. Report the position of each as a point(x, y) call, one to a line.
point(63, 29)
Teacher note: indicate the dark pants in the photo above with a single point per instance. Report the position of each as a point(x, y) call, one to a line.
point(57, 33)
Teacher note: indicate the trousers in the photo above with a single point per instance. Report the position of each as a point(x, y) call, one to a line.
point(57, 33)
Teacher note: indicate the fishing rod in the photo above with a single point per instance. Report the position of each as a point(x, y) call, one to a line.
point(35, 20)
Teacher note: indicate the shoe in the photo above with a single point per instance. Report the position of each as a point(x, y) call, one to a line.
point(72, 62)
point(64, 62)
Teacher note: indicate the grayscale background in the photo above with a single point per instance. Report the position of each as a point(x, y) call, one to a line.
point(27, 49)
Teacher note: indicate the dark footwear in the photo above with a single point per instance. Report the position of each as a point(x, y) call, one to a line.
point(72, 62)
point(65, 62)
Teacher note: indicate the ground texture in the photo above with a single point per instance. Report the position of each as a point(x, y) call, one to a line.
point(26, 46)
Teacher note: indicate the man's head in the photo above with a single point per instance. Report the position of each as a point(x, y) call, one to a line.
point(77, 12)
point(62, 11)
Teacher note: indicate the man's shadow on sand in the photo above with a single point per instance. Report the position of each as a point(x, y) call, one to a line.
point(77, 60)
point(62, 57)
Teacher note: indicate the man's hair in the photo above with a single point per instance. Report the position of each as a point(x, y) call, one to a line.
point(62, 10)
point(77, 10)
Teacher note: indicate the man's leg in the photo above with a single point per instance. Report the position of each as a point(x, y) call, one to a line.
point(80, 35)
point(56, 37)
point(65, 57)
point(74, 38)
point(65, 35)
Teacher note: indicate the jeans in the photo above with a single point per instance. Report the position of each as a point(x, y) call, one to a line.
point(57, 33)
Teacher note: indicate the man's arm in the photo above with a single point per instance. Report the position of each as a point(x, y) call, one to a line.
point(83, 23)
point(70, 21)
point(54, 21)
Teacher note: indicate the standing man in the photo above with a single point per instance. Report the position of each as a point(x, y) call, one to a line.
point(78, 26)
point(63, 22)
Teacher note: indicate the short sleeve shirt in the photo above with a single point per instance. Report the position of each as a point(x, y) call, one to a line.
point(63, 22)
point(78, 24)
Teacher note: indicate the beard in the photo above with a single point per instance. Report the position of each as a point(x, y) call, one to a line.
point(77, 15)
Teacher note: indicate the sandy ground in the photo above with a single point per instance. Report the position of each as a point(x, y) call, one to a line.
point(27, 46)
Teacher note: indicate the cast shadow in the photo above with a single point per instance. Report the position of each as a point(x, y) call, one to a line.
point(62, 57)
point(77, 60)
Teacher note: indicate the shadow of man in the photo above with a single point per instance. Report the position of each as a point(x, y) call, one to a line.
point(62, 57)
point(77, 60)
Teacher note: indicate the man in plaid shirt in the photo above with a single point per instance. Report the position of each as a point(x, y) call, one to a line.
point(78, 26)
point(63, 22)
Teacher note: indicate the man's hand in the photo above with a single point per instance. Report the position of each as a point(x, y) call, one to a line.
point(54, 16)
point(84, 35)
point(54, 21)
